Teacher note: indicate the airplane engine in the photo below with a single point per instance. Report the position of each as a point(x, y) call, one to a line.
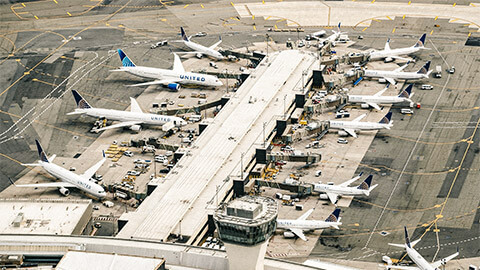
point(364, 106)
point(342, 133)
point(199, 55)
point(65, 192)
point(173, 86)
point(388, 60)
point(323, 197)
point(333, 43)
point(288, 234)
point(382, 80)
point(136, 128)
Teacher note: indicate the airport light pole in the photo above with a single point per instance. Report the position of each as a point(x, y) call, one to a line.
point(241, 165)
point(267, 36)
point(226, 77)
point(264, 124)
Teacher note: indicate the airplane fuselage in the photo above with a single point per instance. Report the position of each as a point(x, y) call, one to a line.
point(74, 179)
point(395, 75)
point(127, 116)
point(357, 125)
point(186, 78)
point(347, 191)
point(377, 100)
point(420, 262)
point(204, 50)
point(375, 55)
point(305, 224)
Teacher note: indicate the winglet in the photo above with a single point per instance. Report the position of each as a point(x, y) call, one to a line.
point(424, 69)
point(41, 153)
point(13, 183)
point(421, 41)
point(333, 217)
point(407, 240)
point(339, 24)
point(386, 118)
point(126, 62)
point(365, 185)
point(184, 35)
point(406, 93)
point(103, 153)
point(81, 102)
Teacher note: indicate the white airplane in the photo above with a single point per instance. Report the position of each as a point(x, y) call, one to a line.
point(69, 179)
point(334, 191)
point(316, 35)
point(297, 226)
point(352, 127)
point(389, 55)
point(332, 38)
point(134, 119)
point(171, 78)
point(391, 75)
point(200, 50)
point(421, 263)
point(373, 101)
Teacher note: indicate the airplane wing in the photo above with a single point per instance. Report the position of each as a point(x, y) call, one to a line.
point(215, 45)
point(379, 93)
point(443, 261)
point(412, 244)
point(348, 182)
point(399, 267)
point(374, 105)
point(351, 132)
point(48, 185)
point(402, 67)
point(390, 80)
point(156, 82)
point(333, 197)
point(92, 170)
point(177, 64)
point(119, 125)
point(305, 215)
point(299, 233)
point(399, 58)
point(134, 107)
point(31, 164)
point(359, 118)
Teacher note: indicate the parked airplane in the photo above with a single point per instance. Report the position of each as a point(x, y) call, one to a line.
point(316, 35)
point(398, 74)
point(334, 191)
point(69, 179)
point(134, 119)
point(297, 226)
point(171, 78)
point(421, 263)
point(373, 101)
point(352, 127)
point(200, 50)
point(333, 37)
point(389, 55)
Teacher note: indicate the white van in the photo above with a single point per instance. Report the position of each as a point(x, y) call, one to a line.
point(195, 118)
point(406, 111)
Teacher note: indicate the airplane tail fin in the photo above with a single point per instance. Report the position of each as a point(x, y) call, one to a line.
point(407, 239)
point(387, 45)
point(41, 153)
point(334, 216)
point(126, 62)
point(386, 118)
point(184, 35)
point(424, 69)
point(406, 93)
point(421, 41)
point(365, 185)
point(81, 102)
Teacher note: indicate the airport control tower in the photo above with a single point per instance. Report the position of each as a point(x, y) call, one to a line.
point(245, 225)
